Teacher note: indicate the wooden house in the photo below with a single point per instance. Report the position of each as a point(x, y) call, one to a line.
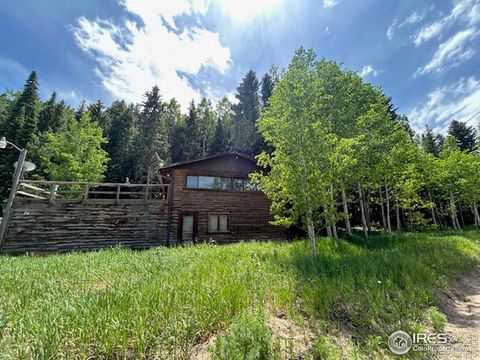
point(205, 200)
point(212, 199)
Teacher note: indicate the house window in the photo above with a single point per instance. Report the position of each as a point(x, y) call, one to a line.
point(209, 182)
point(219, 183)
point(218, 223)
point(226, 183)
point(238, 184)
point(192, 182)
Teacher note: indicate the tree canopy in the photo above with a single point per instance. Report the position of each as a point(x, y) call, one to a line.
point(336, 152)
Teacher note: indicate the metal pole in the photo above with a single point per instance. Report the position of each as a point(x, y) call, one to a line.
point(7, 213)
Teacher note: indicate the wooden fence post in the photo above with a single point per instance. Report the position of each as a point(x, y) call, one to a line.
point(117, 199)
point(85, 196)
point(53, 192)
point(146, 192)
point(7, 213)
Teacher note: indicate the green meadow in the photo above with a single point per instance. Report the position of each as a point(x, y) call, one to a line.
point(166, 303)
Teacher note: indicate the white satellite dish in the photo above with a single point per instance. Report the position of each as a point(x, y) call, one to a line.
point(27, 166)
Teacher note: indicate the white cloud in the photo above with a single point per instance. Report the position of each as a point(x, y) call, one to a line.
point(68, 95)
point(459, 101)
point(462, 10)
point(329, 3)
point(451, 52)
point(391, 30)
point(131, 58)
point(367, 70)
point(428, 32)
point(412, 19)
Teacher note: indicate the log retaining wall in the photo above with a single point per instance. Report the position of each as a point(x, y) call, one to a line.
point(66, 225)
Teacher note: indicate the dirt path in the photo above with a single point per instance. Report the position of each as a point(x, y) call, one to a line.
point(462, 307)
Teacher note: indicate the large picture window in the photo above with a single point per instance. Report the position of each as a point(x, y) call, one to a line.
point(218, 223)
point(219, 183)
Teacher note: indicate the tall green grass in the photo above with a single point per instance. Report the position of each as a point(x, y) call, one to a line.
point(161, 302)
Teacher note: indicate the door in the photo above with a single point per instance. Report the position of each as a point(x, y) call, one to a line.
point(188, 230)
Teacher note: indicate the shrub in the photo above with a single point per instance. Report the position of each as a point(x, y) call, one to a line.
point(248, 338)
point(438, 319)
point(324, 349)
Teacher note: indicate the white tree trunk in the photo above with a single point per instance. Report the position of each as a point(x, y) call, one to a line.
point(432, 208)
point(453, 216)
point(362, 210)
point(334, 211)
point(366, 207)
point(329, 231)
point(476, 215)
point(397, 213)
point(441, 215)
point(345, 211)
point(458, 224)
point(387, 201)
point(384, 220)
point(460, 211)
point(311, 237)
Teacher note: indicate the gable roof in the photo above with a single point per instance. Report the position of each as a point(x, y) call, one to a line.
point(189, 162)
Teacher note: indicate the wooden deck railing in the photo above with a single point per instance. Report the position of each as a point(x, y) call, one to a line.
point(66, 190)
point(86, 192)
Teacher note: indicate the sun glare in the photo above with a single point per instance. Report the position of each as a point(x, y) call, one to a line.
point(247, 10)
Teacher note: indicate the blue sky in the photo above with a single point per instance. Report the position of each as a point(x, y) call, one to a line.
point(422, 53)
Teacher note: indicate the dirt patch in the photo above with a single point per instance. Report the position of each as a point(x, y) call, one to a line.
point(462, 308)
point(201, 351)
point(294, 341)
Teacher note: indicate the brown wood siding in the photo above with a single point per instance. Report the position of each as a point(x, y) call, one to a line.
point(249, 211)
point(38, 226)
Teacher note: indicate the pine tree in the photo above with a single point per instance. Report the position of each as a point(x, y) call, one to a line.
point(120, 141)
point(23, 119)
point(52, 115)
point(245, 136)
point(6, 101)
point(47, 113)
point(192, 148)
point(464, 135)
point(267, 89)
point(401, 120)
point(431, 142)
point(7, 159)
point(206, 125)
point(97, 113)
point(80, 111)
point(220, 139)
point(151, 141)
point(177, 143)
point(172, 117)
point(20, 128)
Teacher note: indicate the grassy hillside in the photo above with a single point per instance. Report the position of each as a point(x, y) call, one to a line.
point(169, 302)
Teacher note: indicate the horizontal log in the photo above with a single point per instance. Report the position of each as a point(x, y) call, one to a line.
point(24, 193)
point(66, 225)
point(93, 184)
